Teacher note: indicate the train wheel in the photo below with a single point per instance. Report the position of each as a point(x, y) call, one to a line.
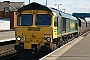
point(44, 50)
point(54, 47)
point(65, 41)
point(61, 43)
point(76, 35)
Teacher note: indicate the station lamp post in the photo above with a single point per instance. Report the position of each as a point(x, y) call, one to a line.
point(29, 1)
point(46, 2)
point(57, 5)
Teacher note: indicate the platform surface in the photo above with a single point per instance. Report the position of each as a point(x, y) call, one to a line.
point(78, 49)
point(7, 35)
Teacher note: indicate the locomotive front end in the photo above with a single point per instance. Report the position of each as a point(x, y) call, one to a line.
point(33, 41)
point(33, 32)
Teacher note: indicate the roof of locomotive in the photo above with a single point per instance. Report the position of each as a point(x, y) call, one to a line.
point(66, 15)
point(34, 6)
point(37, 6)
point(63, 14)
point(82, 20)
point(87, 20)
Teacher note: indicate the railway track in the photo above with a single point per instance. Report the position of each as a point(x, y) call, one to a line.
point(7, 51)
point(10, 57)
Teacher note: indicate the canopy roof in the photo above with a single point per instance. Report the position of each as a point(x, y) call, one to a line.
point(83, 15)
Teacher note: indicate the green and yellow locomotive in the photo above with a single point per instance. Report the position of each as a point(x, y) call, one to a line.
point(40, 30)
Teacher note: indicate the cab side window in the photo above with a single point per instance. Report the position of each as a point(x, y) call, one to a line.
point(56, 21)
point(64, 23)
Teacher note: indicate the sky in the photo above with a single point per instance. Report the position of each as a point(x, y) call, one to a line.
point(71, 6)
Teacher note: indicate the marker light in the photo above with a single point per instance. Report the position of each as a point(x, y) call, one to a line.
point(33, 35)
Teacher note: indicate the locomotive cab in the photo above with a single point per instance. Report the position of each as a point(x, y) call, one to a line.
point(34, 31)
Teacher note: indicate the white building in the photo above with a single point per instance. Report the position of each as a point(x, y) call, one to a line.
point(4, 24)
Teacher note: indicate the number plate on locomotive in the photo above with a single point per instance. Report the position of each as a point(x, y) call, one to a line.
point(33, 29)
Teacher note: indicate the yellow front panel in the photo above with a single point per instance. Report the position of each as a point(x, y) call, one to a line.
point(40, 33)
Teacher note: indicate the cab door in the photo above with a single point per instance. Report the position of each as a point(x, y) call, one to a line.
point(55, 27)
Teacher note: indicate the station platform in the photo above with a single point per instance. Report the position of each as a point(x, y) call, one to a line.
point(7, 36)
point(77, 49)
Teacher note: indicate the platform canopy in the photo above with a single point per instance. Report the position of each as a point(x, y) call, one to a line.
point(82, 15)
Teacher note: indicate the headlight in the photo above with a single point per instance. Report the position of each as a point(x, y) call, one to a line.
point(18, 38)
point(48, 39)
